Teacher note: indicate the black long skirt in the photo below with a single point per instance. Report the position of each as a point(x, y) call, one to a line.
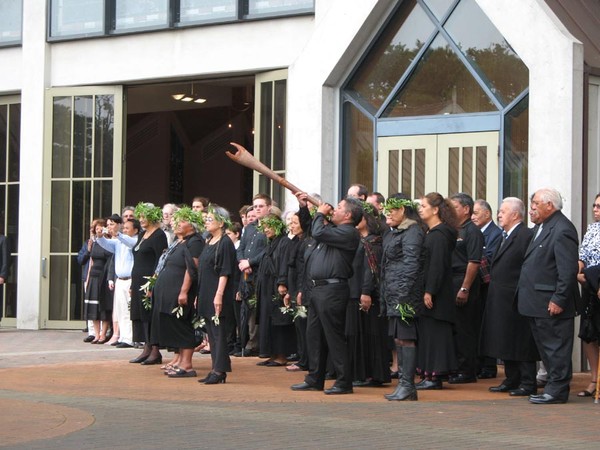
point(435, 350)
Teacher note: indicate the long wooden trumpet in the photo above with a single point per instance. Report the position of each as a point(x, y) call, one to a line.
point(243, 157)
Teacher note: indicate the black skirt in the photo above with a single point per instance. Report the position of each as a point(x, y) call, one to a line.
point(435, 350)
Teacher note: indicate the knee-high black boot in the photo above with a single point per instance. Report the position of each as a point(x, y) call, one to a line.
point(406, 384)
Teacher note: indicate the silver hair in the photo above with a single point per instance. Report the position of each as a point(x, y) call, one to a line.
point(516, 205)
point(219, 211)
point(483, 204)
point(127, 208)
point(550, 195)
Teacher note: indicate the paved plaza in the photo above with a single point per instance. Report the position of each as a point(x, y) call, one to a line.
point(58, 393)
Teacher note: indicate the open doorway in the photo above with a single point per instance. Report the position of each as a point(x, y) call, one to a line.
point(175, 149)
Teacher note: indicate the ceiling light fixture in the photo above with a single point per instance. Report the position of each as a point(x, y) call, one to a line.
point(184, 97)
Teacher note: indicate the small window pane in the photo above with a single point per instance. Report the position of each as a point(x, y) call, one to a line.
point(59, 219)
point(76, 17)
point(59, 287)
point(407, 172)
point(14, 142)
point(453, 170)
point(206, 10)
point(392, 54)
point(467, 171)
point(264, 7)
point(279, 125)
point(77, 296)
point(2, 208)
point(12, 211)
point(481, 174)
point(516, 144)
point(82, 199)
point(266, 122)
point(82, 136)
point(3, 136)
point(132, 14)
point(103, 139)
point(11, 18)
point(61, 137)
point(489, 53)
point(10, 299)
point(102, 198)
point(358, 145)
point(440, 85)
point(393, 171)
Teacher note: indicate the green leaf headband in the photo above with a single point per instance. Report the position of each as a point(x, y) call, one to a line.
point(397, 203)
point(218, 217)
point(368, 208)
point(272, 222)
point(150, 212)
point(187, 214)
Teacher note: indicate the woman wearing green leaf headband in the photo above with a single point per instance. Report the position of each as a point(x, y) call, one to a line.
point(402, 286)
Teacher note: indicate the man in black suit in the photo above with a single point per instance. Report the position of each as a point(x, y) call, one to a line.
point(492, 236)
point(548, 293)
point(506, 334)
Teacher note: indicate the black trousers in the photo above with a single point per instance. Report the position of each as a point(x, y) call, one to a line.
point(554, 340)
point(520, 374)
point(325, 334)
point(467, 327)
point(217, 338)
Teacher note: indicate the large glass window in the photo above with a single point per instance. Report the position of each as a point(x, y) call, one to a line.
point(10, 148)
point(89, 18)
point(516, 144)
point(358, 138)
point(11, 15)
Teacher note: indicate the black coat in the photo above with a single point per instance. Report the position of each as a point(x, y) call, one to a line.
point(505, 333)
point(550, 270)
point(439, 247)
point(402, 268)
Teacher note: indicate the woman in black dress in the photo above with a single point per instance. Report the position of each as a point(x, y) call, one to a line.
point(175, 291)
point(146, 248)
point(436, 343)
point(98, 298)
point(277, 337)
point(366, 328)
point(216, 291)
point(402, 286)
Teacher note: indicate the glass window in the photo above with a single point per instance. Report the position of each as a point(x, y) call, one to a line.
point(266, 123)
point(11, 18)
point(392, 54)
point(279, 125)
point(191, 11)
point(264, 7)
point(82, 136)
point(14, 142)
point(516, 144)
point(440, 85)
point(104, 130)
point(439, 7)
point(489, 53)
point(76, 17)
point(358, 145)
point(3, 141)
point(132, 14)
point(61, 137)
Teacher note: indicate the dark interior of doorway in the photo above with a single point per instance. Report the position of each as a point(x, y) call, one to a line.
point(175, 150)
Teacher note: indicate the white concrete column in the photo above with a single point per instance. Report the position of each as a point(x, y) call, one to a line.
point(35, 57)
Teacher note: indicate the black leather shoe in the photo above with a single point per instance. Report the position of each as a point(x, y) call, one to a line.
point(501, 388)
point(304, 386)
point(545, 399)
point(89, 339)
point(428, 385)
point(521, 392)
point(484, 375)
point(123, 345)
point(151, 362)
point(462, 378)
point(139, 359)
point(336, 390)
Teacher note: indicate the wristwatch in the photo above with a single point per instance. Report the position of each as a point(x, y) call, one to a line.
point(463, 289)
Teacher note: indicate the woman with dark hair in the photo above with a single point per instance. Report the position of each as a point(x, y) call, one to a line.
point(147, 249)
point(402, 286)
point(366, 328)
point(98, 306)
point(436, 342)
point(216, 293)
point(175, 291)
point(277, 337)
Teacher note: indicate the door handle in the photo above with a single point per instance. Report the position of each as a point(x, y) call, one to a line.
point(44, 267)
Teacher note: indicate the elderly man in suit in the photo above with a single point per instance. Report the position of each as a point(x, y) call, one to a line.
point(506, 334)
point(548, 293)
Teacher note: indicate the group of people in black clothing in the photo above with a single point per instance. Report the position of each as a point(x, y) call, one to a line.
point(362, 292)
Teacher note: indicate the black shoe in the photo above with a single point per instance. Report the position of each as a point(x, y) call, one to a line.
point(522, 392)
point(123, 345)
point(139, 359)
point(151, 362)
point(545, 399)
point(89, 339)
point(428, 385)
point(304, 386)
point(214, 378)
point(501, 388)
point(336, 390)
point(485, 375)
point(367, 383)
point(462, 378)
point(293, 357)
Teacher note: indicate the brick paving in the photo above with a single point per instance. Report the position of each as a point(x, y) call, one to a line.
point(58, 393)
